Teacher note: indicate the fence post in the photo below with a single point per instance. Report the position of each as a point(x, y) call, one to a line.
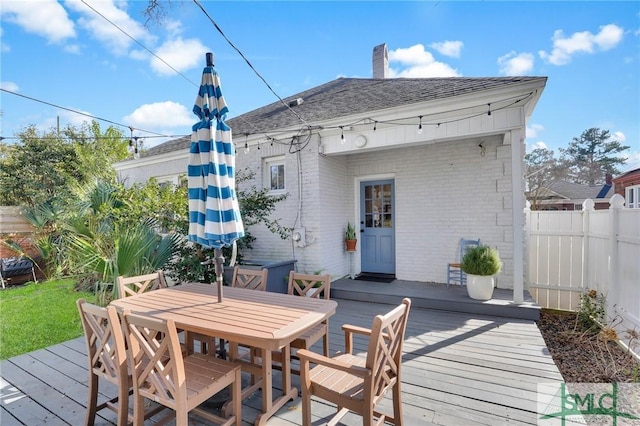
point(527, 245)
point(616, 203)
point(587, 207)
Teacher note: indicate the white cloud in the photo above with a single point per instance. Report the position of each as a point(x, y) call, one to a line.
point(9, 85)
point(448, 48)
point(534, 130)
point(516, 63)
point(4, 47)
point(581, 42)
point(633, 161)
point(180, 54)
point(160, 114)
point(618, 136)
point(533, 146)
point(108, 34)
point(416, 62)
point(46, 18)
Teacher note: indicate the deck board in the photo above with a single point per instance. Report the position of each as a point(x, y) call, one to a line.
point(458, 369)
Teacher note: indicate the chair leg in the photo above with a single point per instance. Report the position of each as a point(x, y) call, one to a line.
point(325, 339)
point(397, 404)
point(138, 410)
point(236, 395)
point(305, 384)
point(123, 404)
point(93, 400)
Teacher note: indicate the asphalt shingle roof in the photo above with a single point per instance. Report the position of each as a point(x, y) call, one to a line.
point(349, 96)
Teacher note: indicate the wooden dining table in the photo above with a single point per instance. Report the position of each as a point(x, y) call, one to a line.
point(264, 320)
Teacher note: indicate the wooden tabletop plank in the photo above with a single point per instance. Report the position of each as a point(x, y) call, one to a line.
point(262, 319)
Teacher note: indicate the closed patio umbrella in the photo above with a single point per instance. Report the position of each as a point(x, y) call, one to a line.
point(214, 214)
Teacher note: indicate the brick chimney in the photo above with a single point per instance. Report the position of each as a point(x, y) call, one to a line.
point(380, 61)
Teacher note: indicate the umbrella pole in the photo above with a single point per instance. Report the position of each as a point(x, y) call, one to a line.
point(219, 261)
point(219, 268)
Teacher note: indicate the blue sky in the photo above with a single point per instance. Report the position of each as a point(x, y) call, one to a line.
point(65, 53)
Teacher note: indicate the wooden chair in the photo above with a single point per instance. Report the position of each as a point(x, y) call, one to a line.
point(254, 279)
point(454, 271)
point(130, 286)
point(107, 357)
point(318, 286)
point(163, 375)
point(358, 384)
point(308, 285)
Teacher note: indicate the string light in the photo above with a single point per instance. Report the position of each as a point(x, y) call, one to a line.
point(489, 113)
point(342, 135)
point(420, 125)
point(246, 143)
point(133, 144)
point(375, 125)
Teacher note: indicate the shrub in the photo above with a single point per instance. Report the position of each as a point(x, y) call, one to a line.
point(481, 260)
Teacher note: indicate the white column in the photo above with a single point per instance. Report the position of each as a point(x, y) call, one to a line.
point(517, 159)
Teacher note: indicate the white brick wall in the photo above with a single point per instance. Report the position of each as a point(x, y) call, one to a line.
point(444, 191)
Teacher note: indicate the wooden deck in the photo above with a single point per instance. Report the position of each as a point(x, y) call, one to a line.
point(458, 369)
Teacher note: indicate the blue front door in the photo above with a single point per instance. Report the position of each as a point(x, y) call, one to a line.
point(377, 227)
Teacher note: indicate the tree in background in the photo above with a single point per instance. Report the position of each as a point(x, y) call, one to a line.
point(541, 169)
point(591, 156)
point(45, 167)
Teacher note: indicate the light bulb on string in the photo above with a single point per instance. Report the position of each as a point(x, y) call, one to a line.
point(489, 112)
point(375, 126)
point(420, 126)
point(246, 144)
point(341, 135)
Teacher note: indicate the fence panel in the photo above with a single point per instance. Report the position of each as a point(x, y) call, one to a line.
point(572, 252)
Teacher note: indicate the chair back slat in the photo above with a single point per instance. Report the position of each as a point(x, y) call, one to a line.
point(130, 286)
point(158, 372)
point(105, 341)
point(384, 355)
point(309, 285)
point(253, 279)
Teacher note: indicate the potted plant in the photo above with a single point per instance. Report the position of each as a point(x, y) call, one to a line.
point(481, 264)
point(350, 237)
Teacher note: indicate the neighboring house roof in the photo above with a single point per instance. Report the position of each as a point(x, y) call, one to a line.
point(627, 175)
point(573, 191)
point(350, 96)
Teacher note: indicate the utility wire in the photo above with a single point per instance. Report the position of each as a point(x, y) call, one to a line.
point(81, 113)
point(250, 65)
point(139, 44)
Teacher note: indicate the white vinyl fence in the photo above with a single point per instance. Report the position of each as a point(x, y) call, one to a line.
point(572, 252)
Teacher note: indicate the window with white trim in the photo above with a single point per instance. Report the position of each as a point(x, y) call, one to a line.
point(633, 196)
point(274, 169)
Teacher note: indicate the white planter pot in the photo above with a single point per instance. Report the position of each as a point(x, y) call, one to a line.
point(480, 287)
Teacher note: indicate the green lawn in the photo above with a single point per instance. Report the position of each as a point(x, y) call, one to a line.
point(38, 315)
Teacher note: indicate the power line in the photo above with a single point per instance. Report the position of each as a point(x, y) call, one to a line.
point(81, 113)
point(249, 63)
point(139, 43)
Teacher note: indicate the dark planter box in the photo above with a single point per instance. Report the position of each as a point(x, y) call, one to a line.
point(277, 277)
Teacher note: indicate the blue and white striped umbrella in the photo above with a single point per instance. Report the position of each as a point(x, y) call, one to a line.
point(214, 215)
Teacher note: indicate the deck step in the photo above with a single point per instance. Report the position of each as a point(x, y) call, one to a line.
point(436, 296)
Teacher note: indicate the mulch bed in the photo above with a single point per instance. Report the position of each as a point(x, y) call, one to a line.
point(586, 355)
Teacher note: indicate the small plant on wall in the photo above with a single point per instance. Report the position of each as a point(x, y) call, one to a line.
point(350, 237)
